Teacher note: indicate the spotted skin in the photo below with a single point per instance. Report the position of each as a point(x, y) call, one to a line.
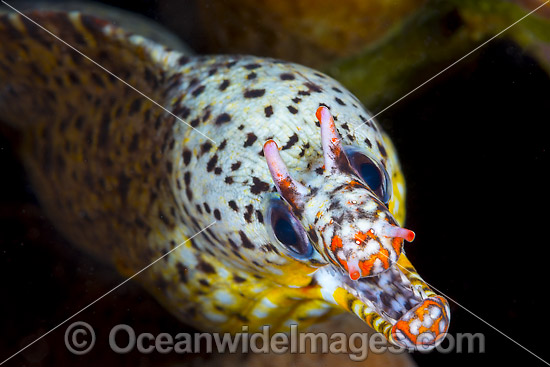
point(128, 182)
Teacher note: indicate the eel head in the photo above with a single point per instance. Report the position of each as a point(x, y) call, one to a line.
point(340, 222)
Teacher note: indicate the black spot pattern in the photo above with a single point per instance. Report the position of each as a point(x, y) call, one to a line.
point(246, 243)
point(258, 186)
point(252, 66)
point(235, 166)
point(248, 213)
point(291, 141)
point(212, 163)
point(206, 267)
point(223, 118)
point(254, 93)
point(233, 205)
point(339, 101)
point(250, 139)
point(182, 272)
point(186, 156)
point(223, 86)
point(287, 76)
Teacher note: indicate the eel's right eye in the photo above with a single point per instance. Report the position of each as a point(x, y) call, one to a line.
point(287, 230)
point(372, 173)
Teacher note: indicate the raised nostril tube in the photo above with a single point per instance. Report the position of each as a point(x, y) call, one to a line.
point(395, 231)
point(330, 140)
point(291, 190)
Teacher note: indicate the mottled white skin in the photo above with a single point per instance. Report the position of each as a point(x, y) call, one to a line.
point(304, 159)
point(280, 127)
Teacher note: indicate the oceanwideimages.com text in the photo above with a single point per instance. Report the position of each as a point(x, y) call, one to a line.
point(80, 339)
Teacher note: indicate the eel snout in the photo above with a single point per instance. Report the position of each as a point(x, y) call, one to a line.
point(424, 326)
point(396, 303)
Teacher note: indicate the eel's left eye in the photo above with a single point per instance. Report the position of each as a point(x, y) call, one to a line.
point(287, 230)
point(372, 173)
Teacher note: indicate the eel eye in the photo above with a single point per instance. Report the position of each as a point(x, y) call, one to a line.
point(287, 230)
point(371, 172)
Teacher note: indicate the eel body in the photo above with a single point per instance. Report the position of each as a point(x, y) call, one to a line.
point(299, 190)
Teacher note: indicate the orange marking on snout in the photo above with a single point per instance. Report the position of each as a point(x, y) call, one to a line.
point(420, 313)
point(336, 243)
point(385, 258)
point(366, 265)
point(397, 243)
point(344, 263)
point(361, 237)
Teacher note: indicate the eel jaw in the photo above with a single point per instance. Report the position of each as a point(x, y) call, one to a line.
point(394, 303)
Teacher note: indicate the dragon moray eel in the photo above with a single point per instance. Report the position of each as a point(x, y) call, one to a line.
point(304, 188)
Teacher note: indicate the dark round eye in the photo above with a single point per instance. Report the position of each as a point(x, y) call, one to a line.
point(371, 172)
point(288, 230)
